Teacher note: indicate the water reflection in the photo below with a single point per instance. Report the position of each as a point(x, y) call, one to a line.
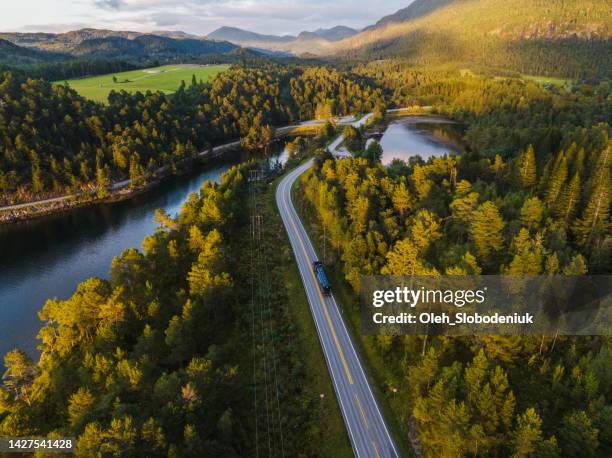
point(48, 257)
point(426, 137)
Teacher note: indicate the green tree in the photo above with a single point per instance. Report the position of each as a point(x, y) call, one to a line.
point(486, 230)
point(595, 221)
point(79, 406)
point(566, 205)
point(527, 435)
point(577, 435)
point(556, 179)
point(526, 174)
point(531, 213)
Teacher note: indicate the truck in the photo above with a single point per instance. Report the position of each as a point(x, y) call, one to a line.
point(319, 272)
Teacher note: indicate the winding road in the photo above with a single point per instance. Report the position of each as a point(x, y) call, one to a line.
point(368, 432)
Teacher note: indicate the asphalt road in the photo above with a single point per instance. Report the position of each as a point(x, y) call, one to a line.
point(368, 432)
point(217, 150)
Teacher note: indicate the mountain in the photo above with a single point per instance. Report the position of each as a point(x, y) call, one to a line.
point(318, 42)
point(11, 54)
point(336, 33)
point(414, 10)
point(547, 37)
point(110, 44)
point(176, 34)
point(240, 36)
point(149, 46)
point(63, 42)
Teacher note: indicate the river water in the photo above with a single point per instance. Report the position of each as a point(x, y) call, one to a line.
point(49, 257)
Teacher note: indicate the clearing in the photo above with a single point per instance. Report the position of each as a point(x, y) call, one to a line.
point(166, 79)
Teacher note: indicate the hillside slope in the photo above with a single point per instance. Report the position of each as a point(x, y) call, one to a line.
point(11, 54)
point(553, 37)
point(28, 48)
point(149, 46)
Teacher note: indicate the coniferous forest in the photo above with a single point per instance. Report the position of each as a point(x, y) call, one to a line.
point(531, 195)
point(161, 358)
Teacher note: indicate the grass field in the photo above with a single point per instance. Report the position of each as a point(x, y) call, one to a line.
point(166, 79)
point(549, 80)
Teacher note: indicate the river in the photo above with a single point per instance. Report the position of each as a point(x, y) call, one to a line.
point(48, 257)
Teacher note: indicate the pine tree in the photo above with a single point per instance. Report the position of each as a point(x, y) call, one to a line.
point(402, 198)
point(531, 213)
point(578, 436)
point(526, 168)
point(527, 435)
point(566, 205)
point(103, 181)
point(79, 405)
point(556, 180)
point(19, 375)
point(404, 259)
point(595, 221)
point(425, 229)
point(498, 167)
point(486, 230)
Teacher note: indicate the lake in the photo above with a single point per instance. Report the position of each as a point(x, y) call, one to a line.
point(419, 135)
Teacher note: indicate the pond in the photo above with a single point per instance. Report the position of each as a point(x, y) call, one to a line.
point(420, 135)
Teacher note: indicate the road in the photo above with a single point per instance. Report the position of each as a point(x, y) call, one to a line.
point(209, 152)
point(368, 432)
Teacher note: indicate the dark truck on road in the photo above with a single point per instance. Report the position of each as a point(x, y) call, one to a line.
point(317, 267)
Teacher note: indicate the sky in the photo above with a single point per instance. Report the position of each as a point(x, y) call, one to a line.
point(198, 17)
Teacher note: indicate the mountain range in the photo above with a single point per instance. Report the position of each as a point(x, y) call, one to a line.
point(519, 35)
point(108, 44)
point(318, 42)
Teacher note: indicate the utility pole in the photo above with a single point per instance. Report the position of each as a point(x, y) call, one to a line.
point(324, 244)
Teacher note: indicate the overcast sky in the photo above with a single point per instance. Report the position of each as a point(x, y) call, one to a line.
point(194, 16)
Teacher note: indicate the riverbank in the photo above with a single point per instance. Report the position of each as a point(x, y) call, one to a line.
point(121, 190)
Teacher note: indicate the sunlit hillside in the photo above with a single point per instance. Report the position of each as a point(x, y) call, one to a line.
point(554, 37)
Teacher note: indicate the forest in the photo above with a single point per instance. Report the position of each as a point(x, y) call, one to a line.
point(153, 361)
point(534, 37)
point(531, 196)
point(160, 359)
point(54, 142)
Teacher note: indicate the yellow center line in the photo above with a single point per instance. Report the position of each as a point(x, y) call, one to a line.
point(329, 321)
point(361, 410)
point(375, 449)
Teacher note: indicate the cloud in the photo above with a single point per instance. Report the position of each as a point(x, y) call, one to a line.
point(198, 16)
point(109, 4)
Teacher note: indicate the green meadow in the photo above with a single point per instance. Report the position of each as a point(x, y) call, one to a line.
point(166, 79)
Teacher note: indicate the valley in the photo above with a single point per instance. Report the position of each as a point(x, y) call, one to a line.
point(197, 199)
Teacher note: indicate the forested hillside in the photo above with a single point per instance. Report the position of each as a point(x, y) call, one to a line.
point(531, 196)
point(108, 44)
point(159, 360)
point(55, 142)
point(11, 54)
point(153, 361)
point(541, 37)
